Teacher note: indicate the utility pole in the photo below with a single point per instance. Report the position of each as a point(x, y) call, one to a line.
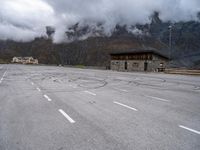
point(170, 41)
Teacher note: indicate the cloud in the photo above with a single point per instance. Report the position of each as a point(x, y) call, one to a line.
point(9, 31)
point(25, 19)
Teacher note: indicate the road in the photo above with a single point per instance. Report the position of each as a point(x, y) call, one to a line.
point(58, 108)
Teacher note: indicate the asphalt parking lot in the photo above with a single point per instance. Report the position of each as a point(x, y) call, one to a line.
point(58, 108)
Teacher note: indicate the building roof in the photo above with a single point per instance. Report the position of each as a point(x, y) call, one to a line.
point(23, 57)
point(139, 51)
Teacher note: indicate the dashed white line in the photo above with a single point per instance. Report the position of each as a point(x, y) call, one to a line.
point(3, 77)
point(73, 86)
point(32, 83)
point(66, 116)
point(125, 106)
point(45, 96)
point(4, 74)
point(121, 90)
point(189, 129)
point(91, 93)
point(38, 89)
point(157, 98)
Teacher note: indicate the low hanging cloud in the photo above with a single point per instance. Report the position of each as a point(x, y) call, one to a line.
point(23, 20)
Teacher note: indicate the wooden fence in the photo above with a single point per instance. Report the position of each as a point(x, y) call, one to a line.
point(182, 71)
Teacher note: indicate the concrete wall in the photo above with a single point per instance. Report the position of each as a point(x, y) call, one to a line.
point(138, 65)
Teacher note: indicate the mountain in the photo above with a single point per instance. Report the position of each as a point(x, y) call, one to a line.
point(91, 45)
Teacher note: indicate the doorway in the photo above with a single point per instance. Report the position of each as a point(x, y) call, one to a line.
point(126, 65)
point(145, 66)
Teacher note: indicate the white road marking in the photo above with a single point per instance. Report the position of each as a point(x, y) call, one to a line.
point(4, 74)
point(121, 90)
point(73, 86)
point(66, 116)
point(38, 89)
point(125, 106)
point(32, 83)
point(189, 129)
point(157, 98)
point(90, 93)
point(2, 78)
point(45, 96)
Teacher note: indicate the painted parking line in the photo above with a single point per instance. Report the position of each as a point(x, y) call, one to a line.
point(189, 129)
point(73, 86)
point(125, 106)
point(38, 89)
point(91, 93)
point(45, 96)
point(66, 116)
point(4, 74)
point(157, 98)
point(2, 78)
point(121, 90)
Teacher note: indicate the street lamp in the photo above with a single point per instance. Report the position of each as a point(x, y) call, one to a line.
point(170, 41)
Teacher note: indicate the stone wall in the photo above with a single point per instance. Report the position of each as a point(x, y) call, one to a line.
point(138, 65)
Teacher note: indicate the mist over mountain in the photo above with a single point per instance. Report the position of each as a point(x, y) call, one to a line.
point(23, 20)
point(75, 32)
point(95, 49)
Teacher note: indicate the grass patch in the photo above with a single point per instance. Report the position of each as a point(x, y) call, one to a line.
point(80, 66)
point(4, 61)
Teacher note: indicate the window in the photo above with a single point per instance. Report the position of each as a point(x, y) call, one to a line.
point(135, 65)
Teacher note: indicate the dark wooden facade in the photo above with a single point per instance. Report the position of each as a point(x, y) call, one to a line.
point(132, 56)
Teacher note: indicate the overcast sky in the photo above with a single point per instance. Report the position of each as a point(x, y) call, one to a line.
point(26, 19)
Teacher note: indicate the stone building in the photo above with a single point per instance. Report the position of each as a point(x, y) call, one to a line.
point(138, 60)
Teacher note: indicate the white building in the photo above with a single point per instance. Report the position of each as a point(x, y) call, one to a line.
point(24, 60)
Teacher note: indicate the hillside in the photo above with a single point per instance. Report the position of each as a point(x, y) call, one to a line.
point(95, 50)
point(91, 52)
